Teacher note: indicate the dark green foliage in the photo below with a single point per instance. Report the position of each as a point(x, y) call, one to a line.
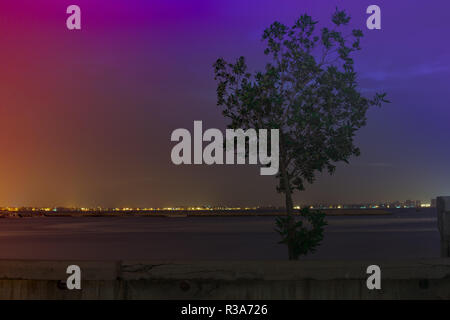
point(307, 234)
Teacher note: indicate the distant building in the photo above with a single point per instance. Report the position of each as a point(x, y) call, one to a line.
point(395, 204)
point(433, 203)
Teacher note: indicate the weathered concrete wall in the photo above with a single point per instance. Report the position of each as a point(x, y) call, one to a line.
point(417, 279)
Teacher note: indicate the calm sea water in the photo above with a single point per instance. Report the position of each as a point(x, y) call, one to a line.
point(405, 234)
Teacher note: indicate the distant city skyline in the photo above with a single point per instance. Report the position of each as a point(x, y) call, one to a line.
point(323, 204)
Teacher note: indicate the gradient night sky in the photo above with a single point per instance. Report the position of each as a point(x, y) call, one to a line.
point(86, 115)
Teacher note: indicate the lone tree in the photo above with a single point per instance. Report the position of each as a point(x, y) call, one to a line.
point(309, 92)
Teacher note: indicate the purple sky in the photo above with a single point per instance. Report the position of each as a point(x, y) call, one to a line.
point(87, 115)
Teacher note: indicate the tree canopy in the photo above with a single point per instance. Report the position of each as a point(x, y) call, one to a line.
point(308, 90)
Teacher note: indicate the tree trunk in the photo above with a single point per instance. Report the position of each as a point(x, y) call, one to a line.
point(291, 226)
point(289, 210)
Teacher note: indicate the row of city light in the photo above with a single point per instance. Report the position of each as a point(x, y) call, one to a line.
point(85, 209)
point(16, 209)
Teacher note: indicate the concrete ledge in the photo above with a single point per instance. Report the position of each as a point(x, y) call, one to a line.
point(283, 270)
point(56, 270)
point(415, 279)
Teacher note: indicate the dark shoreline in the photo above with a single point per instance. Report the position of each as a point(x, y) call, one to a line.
point(187, 213)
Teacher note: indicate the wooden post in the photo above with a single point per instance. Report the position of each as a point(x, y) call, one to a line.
point(443, 216)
